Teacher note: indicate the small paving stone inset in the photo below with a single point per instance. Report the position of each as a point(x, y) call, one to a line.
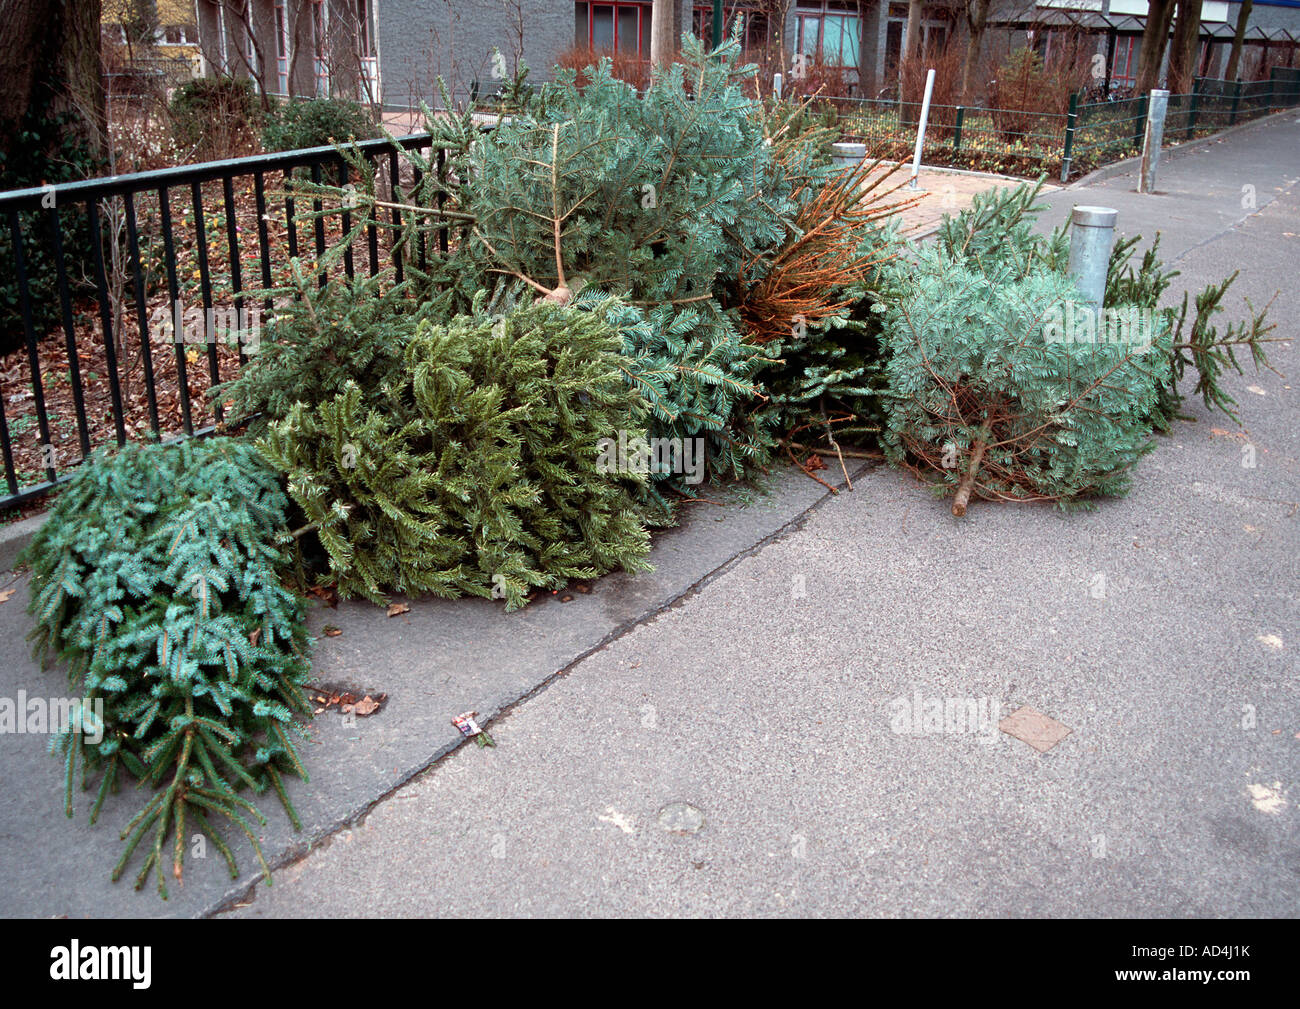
point(1033, 727)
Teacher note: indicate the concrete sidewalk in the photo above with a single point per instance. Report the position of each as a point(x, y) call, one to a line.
point(722, 738)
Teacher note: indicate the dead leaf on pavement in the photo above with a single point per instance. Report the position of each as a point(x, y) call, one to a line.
point(5, 594)
point(330, 631)
point(397, 609)
point(366, 706)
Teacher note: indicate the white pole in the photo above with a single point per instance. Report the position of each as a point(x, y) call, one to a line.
point(920, 131)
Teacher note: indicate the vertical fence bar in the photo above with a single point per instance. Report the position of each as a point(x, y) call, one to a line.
point(236, 270)
point(176, 308)
point(7, 451)
point(319, 228)
point(1236, 100)
point(421, 253)
point(956, 128)
point(290, 221)
point(33, 361)
point(395, 181)
point(263, 235)
point(141, 308)
point(344, 176)
point(69, 332)
point(443, 238)
point(1191, 112)
point(372, 233)
point(205, 288)
point(1071, 118)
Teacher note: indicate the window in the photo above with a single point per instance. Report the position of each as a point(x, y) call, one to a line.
point(1123, 70)
point(320, 46)
point(368, 86)
point(281, 48)
point(179, 35)
point(827, 32)
point(623, 27)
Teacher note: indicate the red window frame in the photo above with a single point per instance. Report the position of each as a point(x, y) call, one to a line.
point(642, 26)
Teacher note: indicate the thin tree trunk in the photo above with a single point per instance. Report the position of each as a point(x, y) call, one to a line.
point(977, 16)
point(913, 47)
point(967, 484)
point(1160, 14)
point(662, 43)
point(1182, 54)
point(1238, 39)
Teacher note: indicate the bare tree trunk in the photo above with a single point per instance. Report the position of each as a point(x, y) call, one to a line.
point(1238, 39)
point(50, 64)
point(912, 49)
point(662, 43)
point(977, 16)
point(1182, 54)
point(1154, 39)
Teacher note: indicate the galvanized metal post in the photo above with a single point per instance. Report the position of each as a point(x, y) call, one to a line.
point(920, 130)
point(1092, 233)
point(1152, 139)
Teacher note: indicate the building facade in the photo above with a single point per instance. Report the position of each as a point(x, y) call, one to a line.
point(392, 52)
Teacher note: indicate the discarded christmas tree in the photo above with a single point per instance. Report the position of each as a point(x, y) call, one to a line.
point(157, 579)
point(478, 472)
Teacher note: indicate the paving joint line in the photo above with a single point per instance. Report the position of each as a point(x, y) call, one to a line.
point(245, 895)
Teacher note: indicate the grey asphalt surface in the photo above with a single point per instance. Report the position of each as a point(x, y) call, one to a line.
point(758, 678)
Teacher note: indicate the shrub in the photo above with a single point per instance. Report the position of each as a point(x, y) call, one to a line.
point(47, 152)
point(156, 578)
point(217, 117)
point(478, 472)
point(317, 123)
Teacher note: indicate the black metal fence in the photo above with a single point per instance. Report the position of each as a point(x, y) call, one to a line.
point(96, 341)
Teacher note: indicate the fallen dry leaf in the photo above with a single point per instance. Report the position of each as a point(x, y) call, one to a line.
point(5, 595)
point(366, 706)
point(397, 609)
point(330, 631)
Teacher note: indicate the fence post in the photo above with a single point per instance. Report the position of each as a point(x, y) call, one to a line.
point(1141, 122)
point(1071, 118)
point(1236, 98)
point(1191, 112)
point(956, 129)
point(1152, 139)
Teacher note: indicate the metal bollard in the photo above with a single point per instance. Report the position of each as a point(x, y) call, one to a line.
point(1092, 233)
point(848, 155)
point(777, 81)
point(1154, 136)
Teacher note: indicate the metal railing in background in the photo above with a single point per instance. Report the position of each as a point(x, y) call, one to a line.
point(1084, 136)
point(94, 276)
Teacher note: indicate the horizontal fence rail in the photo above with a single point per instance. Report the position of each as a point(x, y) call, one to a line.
point(123, 300)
